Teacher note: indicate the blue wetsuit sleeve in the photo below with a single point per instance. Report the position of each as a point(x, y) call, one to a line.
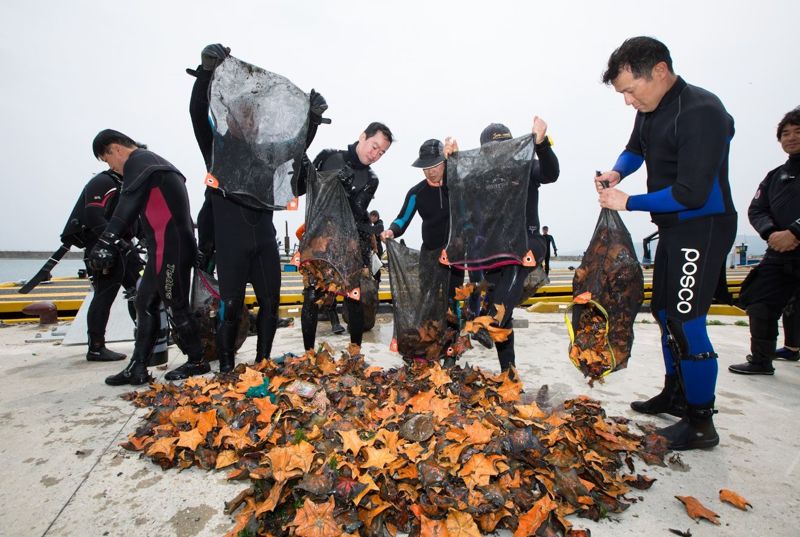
point(400, 224)
point(660, 201)
point(627, 163)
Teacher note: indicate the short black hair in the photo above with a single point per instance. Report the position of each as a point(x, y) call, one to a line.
point(791, 118)
point(640, 55)
point(375, 127)
point(107, 137)
point(374, 213)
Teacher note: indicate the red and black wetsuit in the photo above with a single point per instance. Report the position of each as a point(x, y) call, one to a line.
point(88, 220)
point(154, 191)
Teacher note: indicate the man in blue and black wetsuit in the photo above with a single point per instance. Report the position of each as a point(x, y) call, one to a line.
point(682, 133)
point(431, 200)
point(153, 191)
point(775, 214)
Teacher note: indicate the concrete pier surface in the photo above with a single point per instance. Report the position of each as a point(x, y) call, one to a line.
point(63, 472)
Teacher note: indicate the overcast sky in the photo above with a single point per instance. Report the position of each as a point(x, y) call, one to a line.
point(427, 69)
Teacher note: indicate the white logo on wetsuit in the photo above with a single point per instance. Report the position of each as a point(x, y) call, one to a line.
point(687, 281)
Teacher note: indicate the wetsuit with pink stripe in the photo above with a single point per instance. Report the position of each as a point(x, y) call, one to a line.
point(155, 190)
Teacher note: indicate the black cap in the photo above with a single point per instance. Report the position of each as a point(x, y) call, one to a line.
point(430, 154)
point(494, 133)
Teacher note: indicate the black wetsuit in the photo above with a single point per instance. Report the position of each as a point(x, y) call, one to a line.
point(685, 143)
point(244, 240)
point(507, 282)
point(88, 220)
point(360, 191)
point(154, 191)
point(769, 286)
point(550, 246)
point(432, 202)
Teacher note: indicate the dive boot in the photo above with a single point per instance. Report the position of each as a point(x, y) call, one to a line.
point(189, 369)
point(158, 358)
point(336, 328)
point(785, 353)
point(135, 374)
point(760, 361)
point(227, 361)
point(694, 431)
point(104, 354)
point(670, 401)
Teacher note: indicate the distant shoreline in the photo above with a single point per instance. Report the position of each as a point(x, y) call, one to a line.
point(18, 254)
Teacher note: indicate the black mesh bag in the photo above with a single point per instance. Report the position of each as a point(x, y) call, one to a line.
point(488, 190)
point(260, 121)
point(329, 255)
point(419, 298)
point(608, 289)
point(205, 305)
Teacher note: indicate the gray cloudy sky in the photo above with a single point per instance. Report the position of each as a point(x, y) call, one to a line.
point(427, 69)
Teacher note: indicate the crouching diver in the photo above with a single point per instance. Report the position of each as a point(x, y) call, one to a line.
point(154, 191)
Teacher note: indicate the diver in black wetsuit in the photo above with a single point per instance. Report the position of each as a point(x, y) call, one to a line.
point(154, 191)
point(775, 215)
point(86, 223)
point(506, 282)
point(360, 184)
point(241, 238)
point(682, 133)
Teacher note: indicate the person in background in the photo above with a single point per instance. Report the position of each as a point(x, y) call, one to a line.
point(550, 243)
point(775, 215)
point(86, 223)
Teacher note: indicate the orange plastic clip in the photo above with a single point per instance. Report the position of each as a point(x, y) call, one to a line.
point(583, 298)
point(443, 258)
point(293, 205)
point(354, 294)
point(529, 260)
point(212, 181)
point(393, 345)
point(295, 259)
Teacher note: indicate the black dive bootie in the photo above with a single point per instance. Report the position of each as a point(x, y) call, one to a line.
point(694, 431)
point(135, 374)
point(336, 328)
point(670, 401)
point(99, 353)
point(189, 369)
point(104, 354)
point(759, 362)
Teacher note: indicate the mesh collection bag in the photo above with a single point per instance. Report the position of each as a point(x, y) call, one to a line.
point(608, 289)
point(329, 255)
point(205, 305)
point(488, 190)
point(260, 121)
point(419, 299)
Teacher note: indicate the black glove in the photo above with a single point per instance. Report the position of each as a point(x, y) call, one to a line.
point(205, 260)
point(105, 252)
point(213, 55)
point(346, 177)
point(318, 105)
